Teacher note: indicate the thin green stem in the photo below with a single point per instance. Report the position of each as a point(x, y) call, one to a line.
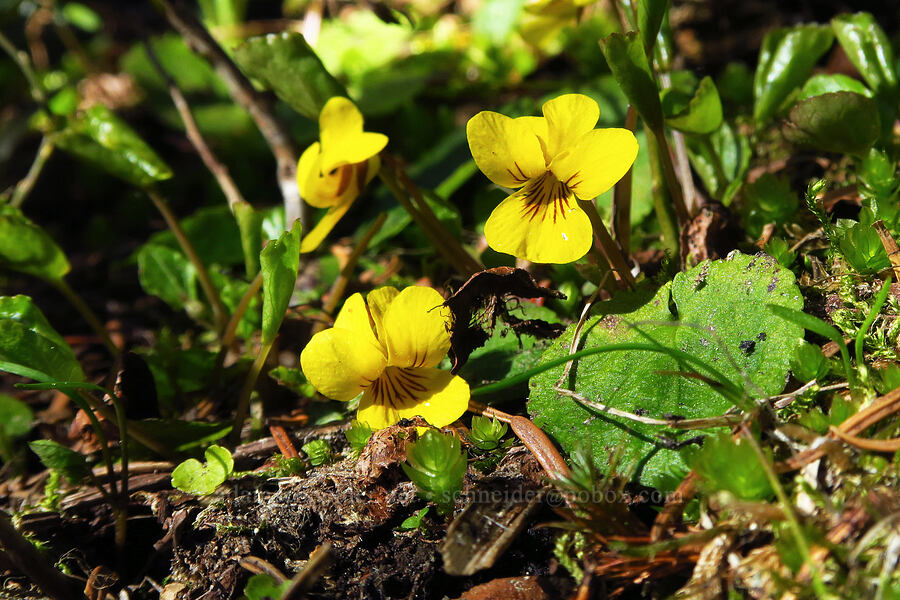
point(231, 329)
point(788, 511)
point(21, 60)
point(24, 187)
point(662, 204)
point(122, 513)
point(81, 306)
point(81, 400)
point(243, 407)
point(610, 249)
point(675, 191)
point(220, 313)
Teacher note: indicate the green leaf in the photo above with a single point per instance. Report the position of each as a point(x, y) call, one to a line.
point(263, 587)
point(250, 225)
point(869, 49)
point(231, 291)
point(769, 199)
point(15, 417)
point(826, 83)
point(288, 66)
point(191, 73)
point(703, 113)
point(358, 435)
point(56, 457)
point(414, 521)
point(280, 261)
point(81, 17)
point(650, 15)
point(27, 248)
point(809, 363)
point(726, 464)
point(294, 380)
point(167, 274)
point(184, 435)
point(436, 464)
point(721, 163)
point(841, 122)
point(629, 65)
point(202, 479)
point(30, 347)
point(318, 451)
point(861, 246)
point(485, 433)
point(786, 59)
point(723, 322)
point(99, 137)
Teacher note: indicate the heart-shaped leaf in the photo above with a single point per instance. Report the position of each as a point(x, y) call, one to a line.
point(842, 122)
point(194, 477)
point(716, 312)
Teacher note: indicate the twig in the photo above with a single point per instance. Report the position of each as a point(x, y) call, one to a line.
point(311, 572)
point(891, 445)
point(220, 313)
point(675, 423)
point(276, 133)
point(340, 284)
point(681, 156)
point(219, 171)
point(783, 400)
point(21, 60)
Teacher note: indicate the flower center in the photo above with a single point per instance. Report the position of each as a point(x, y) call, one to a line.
point(335, 182)
point(399, 387)
point(545, 197)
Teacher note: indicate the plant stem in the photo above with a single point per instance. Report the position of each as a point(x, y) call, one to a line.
point(220, 313)
point(24, 187)
point(668, 169)
point(231, 329)
point(662, 204)
point(340, 284)
point(621, 203)
point(81, 306)
point(21, 60)
point(243, 407)
point(610, 249)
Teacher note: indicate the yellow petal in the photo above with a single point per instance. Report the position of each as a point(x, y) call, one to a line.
point(378, 301)
point(354, 317)
point(308, 168)
point(599, 159)
point(415, 326)
point(342, 135)
point(569, 117)
point(506, 150)
point(340, 364)
point(554, 230)
point(312, 239)
point(437, 396)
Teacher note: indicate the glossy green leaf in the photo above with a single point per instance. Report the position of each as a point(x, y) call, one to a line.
point(721, 163)
point(30, 347)
point(650, 15)
point(869, 49)
point(27, 248)
point(250, 225)
point(167, 274)
point(99, 137)
point(721, 306)
point(629, 65)
point(786, 59)
point(194, 477)
point(279, 261)
point(842, 122)
point(262, 587)
point(288, 66)
point(861, 246)
point(826, 83)
point(81, 16)
point(56, 457)
point(703, 113)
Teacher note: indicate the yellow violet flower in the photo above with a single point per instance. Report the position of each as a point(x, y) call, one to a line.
point(333, 172)
point(386, 346)
point(554, 159)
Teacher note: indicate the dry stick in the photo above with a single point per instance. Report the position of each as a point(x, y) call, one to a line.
point(704, 423)
point(220, 313)
point(276, 133)
point(231, 330)
point(387, 177)
point(30, 562)
point(621, 205)
point(610, 249)
point(533, 438)
point(336, 293)
point(433, 222)
point(890, 246)
point(891, 445)
point(219, 171)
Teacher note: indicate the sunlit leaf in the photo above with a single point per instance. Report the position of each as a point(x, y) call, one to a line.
point(869, 49)
point(279, 261)
point(27, 248)
point(703, 112)
point(842, 122)
point(628, 62)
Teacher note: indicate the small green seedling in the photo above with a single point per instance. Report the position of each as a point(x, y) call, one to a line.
point(414, 521)
point(318, 452)
point(726, 464)
point(486, 433)
point(264, 587)
point(56, 457)
point(809, 363)
point(194, 477)
point(436, 464)
point(358, 435)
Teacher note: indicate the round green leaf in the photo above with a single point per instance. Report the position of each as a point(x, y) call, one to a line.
point(842, 122)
